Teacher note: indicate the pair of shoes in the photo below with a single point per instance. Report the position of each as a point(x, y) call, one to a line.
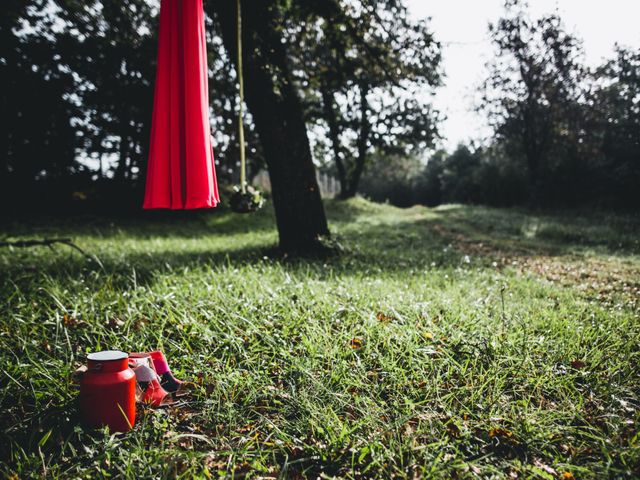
point(167, 380)
point(157, 386)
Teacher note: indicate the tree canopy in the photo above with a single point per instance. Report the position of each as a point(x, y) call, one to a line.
point(367, 71)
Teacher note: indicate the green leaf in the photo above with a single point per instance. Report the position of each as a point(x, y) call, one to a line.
point(44, 438)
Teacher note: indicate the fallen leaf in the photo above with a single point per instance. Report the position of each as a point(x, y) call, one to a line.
point(246, 428)
point(383, 317)
point(453, 429)
point(500, 432)
point(69, 321)
point(578, 364)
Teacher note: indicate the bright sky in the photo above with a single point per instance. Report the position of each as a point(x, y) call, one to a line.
point(461, 25)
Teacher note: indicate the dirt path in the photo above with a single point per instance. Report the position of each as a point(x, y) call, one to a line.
point(612, 281)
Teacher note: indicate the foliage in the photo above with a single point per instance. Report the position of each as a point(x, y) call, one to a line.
point(37, 138)
point(78, 80)
point(616, 108)
point(533, 90)
point(367, 71)
point(575, 129)
point(77, 86)
point(449, 342)
point(391, 179)
point(565, 135)
point(472, 175)
point(251, 200)
point(110, 47)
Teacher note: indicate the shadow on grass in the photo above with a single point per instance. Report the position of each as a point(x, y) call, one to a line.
point(39, 429)
point(28, 276)
point(144, 224)
point(393, 243)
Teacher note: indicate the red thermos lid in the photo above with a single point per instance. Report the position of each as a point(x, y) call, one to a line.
point(107, 361)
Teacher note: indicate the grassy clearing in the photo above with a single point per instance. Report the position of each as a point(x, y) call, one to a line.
point(452, 342)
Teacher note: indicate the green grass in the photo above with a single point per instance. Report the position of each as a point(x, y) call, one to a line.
point(491, 343)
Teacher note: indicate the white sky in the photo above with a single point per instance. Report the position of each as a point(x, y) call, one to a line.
point(461, 26)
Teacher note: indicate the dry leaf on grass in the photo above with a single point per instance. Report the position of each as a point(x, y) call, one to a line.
point(500, 432)
point(383, 317)
point(578, 364)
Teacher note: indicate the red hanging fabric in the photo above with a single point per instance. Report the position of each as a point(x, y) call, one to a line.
point(181, 172)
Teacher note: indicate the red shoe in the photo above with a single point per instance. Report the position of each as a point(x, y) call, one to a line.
point(167, 380)
point(150, 390)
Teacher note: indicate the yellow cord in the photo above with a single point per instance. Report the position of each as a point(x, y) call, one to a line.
point(243, 169)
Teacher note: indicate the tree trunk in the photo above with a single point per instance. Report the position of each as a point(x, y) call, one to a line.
point(334, 136)
point(274, 103)
point(120, 173)
point(123, 149)
point(363, 144)
point(532, 153)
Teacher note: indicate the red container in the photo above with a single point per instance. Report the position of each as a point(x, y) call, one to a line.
point(108, 392)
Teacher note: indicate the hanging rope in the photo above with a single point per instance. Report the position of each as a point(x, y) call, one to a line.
point(243, 168)
point(245, 199)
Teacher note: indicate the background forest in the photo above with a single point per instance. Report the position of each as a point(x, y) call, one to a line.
point(563, 134)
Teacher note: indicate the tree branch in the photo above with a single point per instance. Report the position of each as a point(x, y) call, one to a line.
point(50, 242)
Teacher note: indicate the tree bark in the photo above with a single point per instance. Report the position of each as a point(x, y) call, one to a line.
point(275, 105)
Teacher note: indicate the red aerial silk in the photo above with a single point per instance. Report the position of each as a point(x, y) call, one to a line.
point(181, 172)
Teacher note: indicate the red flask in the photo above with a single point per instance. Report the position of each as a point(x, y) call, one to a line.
point(108, 392)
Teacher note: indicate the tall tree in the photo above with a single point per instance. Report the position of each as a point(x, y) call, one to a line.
point(274, 102)
point(616, 105)
point(534, 88)
point(367, 71)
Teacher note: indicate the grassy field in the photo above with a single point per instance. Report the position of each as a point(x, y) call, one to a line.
point(456, 342)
